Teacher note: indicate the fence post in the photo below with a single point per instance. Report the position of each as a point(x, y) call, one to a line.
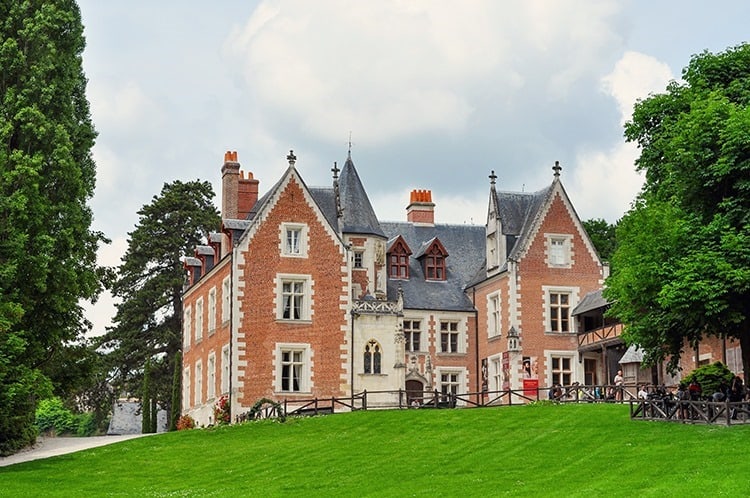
point(364, 399)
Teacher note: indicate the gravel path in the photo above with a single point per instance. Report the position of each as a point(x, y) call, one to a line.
point(46, 447)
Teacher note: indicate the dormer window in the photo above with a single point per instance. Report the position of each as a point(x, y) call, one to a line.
point(434, 265)
point(433, 260)
point(398, 259)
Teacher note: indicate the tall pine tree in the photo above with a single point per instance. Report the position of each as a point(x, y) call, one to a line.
point(150, 280)
point(47, 247)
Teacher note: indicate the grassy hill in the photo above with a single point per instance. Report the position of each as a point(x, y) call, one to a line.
point(558, 450)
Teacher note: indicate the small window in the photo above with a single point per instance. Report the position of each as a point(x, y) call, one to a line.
point(372, 357)
point(449, 383)
point(558, 250)
point(293, 368)
point(398, 260)
point(293, 239)
point(225, 369)
point(434, 264)
point(212, 311)
point(559, 311)
point(449, 337)
point(199, 319)
point(358, 259)
point(412, 335)
point(562, 372)
point(198, 383)
point(493, 315)
point(225, 297)
point(211, 387)
point(293, 297)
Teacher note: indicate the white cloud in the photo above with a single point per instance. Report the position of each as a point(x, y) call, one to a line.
point(634, 77)
point(392, 69)
point(605, 181)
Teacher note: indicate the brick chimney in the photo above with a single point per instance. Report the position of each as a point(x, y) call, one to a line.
point(230, 176)
point(421, 209)
point(247, 194)
point(238, 194)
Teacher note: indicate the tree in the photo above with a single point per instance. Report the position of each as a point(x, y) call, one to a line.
point(148, 321)
point(681, 271)
point(146, 399)
point(602, 235)
point(176, 404)
point(47, 175)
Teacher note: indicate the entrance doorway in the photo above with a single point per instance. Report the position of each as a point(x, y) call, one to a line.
point(589, 372)
point(414, 392)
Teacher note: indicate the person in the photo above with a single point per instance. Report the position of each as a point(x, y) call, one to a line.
point(643, 392)
point(619, 381)
point(555, 392)
point(721, 392)
point(695, 390)
point(735, 394)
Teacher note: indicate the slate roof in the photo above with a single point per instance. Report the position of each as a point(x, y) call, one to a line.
point(358, 215)
point(465, 246)
point(517, 212)
point(591, 301)
point(204, 250)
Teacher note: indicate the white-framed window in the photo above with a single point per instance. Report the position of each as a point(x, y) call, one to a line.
point(358, 259)
point(451, 382)
point(413, 335)
point(496, 373)
point(211, 387)
point(187, 326)
point(199, 319)
point(198, 382)
point(558, 250)
point(293, 367)
point(225, 299)
point(561, 369)
point(372, 357)
point(186, 388)
point(225, 369)
point(294, 240)
point(449, 337)
point(493, 315)
point(558, 303)
point(212, 310)
point(293, 297)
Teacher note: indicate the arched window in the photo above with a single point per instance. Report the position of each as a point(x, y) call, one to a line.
point(434, 265)
point(372, 357)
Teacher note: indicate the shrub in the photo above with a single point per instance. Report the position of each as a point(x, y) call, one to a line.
point(709, 377)
point(185, 422)
point(86, 424)
point(221, 411)
point(52, 416)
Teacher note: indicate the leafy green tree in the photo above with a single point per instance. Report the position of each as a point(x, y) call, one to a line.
point(47, 175)
point(681, 270)
point(150, 280)
point(602, 235)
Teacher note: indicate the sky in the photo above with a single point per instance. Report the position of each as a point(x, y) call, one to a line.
point(427, 94)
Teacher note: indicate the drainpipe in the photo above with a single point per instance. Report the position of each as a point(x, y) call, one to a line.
point(231, 328)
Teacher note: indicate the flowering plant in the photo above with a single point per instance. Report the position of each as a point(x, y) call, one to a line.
point(185, 422)
point(221, 410)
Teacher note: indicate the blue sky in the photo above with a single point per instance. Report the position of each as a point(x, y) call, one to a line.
point(435, 95)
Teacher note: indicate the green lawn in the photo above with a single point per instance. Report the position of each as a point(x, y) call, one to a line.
point(560, 450)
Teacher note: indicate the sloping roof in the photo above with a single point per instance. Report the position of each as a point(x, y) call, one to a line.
point(464, 244)
point(633, 355)
point(325, 198)
point(591, 301)
point(358, 215)
point(204, 250)
point(519, 211)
